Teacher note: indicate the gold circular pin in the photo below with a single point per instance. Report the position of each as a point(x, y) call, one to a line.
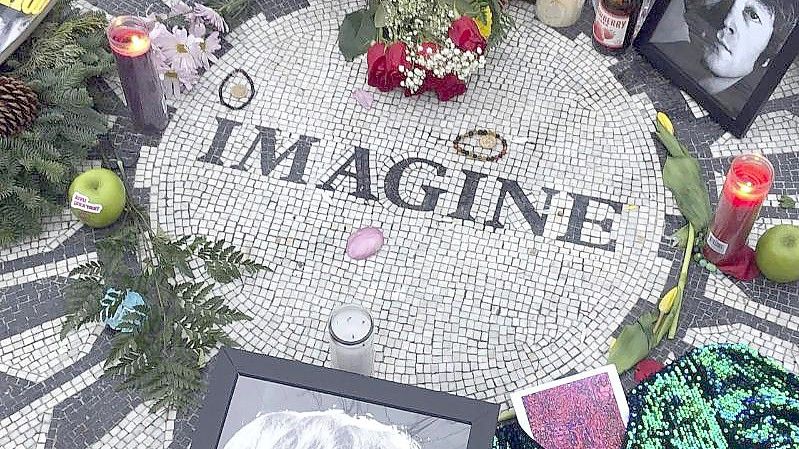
point(488, 141)
point(238, 91)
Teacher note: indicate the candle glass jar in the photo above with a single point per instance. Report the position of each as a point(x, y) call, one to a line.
point(559, 13)
point(129, 39)
point(747, 185)
point(351, 335)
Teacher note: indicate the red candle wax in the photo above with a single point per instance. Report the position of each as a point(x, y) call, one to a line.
point(128, 41)
point(748, 182)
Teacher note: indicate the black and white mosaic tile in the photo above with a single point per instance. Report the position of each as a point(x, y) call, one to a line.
point(495, 275)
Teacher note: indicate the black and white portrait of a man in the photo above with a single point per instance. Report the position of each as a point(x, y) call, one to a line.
point(725, 45)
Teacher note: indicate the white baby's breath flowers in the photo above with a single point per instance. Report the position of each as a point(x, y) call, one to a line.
point(416, 22)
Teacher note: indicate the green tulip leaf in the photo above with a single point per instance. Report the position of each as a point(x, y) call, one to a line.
point(666, 323)
point(683, 177)
point(680, 237)
point(673, 146)
point(467, 8)
point(356, 33)
point(380, 16)
point(634, 343)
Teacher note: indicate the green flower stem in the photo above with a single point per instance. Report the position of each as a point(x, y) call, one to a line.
point(686, 263)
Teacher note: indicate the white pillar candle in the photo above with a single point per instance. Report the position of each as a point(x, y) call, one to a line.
point(559, 13)
point(351, 332)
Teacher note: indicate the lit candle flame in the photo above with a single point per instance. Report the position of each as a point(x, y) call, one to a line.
point(746, 187)
point(139, 44)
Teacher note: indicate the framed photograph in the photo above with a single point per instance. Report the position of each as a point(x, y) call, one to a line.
point(729, 55)
point(260, 402)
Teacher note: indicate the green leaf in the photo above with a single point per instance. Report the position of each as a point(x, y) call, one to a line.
point(380, 16)
point(786, 202)
point(665, 325)
point(673, 146)
point(634, 343)
point(356, 33)
point(467, 8)
point(680, 238)
point(683, 177)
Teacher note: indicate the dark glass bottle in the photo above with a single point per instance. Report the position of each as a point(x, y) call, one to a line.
point(614, 24)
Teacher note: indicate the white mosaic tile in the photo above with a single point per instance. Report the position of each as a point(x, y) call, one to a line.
point(696, 109)
point(55, 231)
point(39, 352)
point(440, 282)
point(58, 268)
point(24, 428)
point(140, 428)
point(461, 305)
point(724, 291)
point(771, 133)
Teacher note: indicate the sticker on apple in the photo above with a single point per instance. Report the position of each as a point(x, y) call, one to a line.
point(82, 203)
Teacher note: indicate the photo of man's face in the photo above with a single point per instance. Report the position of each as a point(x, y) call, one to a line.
point(744, 35)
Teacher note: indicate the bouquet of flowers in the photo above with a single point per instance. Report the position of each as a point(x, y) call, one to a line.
point(423, 45)
point(190, 46)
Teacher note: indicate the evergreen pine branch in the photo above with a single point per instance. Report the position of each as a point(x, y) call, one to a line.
point(37, 165)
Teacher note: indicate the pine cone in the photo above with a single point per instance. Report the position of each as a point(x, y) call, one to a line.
point(18, 106)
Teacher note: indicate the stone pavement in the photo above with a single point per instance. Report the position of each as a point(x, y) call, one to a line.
point(495, 275)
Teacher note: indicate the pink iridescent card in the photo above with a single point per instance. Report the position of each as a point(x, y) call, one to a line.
point(585, 411)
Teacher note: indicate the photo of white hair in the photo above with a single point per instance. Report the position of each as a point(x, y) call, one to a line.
point(271, 415)
point(331, 429)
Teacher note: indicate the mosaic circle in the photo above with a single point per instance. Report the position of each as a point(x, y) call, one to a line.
point(494, 274)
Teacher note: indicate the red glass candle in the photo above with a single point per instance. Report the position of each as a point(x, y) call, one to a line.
point(746, 187)
point(130, 41)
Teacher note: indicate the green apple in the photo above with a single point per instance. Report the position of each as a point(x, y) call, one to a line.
point(778, 253)
point(97, 197)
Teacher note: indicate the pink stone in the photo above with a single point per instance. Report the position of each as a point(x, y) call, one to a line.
point(364, 243)
point(364, 98)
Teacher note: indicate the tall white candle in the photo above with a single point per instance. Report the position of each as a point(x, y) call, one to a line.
point(351, 331)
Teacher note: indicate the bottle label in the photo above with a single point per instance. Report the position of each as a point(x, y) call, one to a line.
point(716, 245)
point(610, 29)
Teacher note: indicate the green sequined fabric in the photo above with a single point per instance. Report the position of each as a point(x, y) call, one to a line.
point(510, 435)
point(716, 397)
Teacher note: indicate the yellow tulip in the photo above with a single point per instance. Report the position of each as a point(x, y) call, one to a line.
point(485, 27)
point(664, 120)
point(667, 302)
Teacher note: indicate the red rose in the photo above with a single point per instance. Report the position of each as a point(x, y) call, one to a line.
point(377, 50)
point(449, 87)
point(383, 65)
point(376, 63)
point(466, 36)
point(395, 57)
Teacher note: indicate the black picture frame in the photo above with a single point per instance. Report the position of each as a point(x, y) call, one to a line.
point(233, 363)
point(738, 124)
